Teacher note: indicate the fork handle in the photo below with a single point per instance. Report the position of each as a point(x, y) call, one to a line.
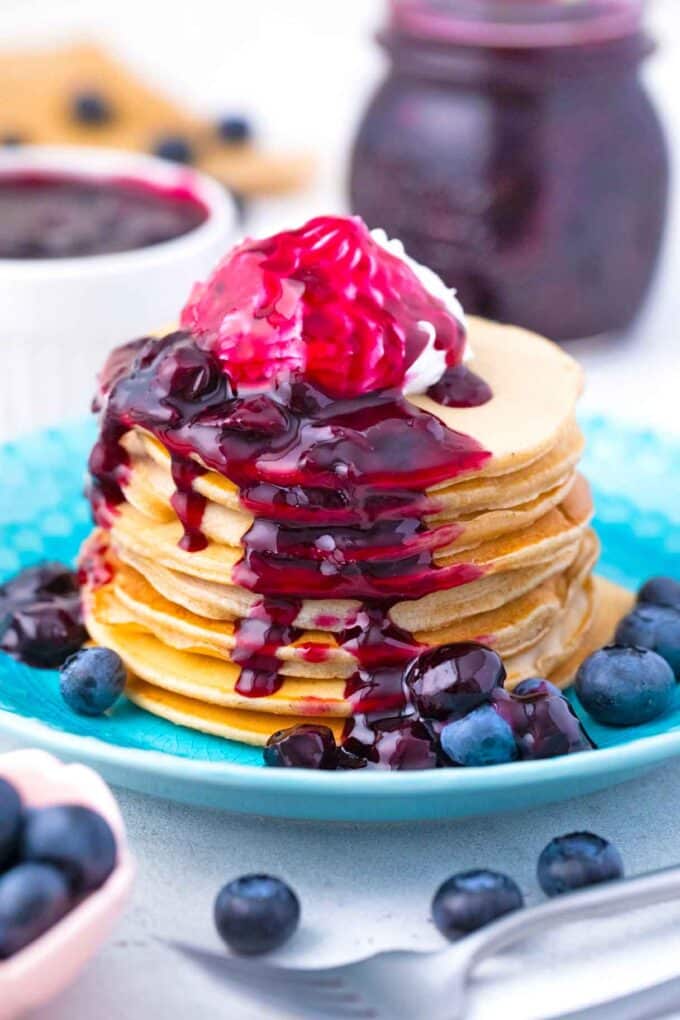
point(606, 899)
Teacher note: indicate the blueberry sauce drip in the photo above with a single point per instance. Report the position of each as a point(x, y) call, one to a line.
point(460, 387)
point(40, 616)
point(268, 627)
point(297, 455)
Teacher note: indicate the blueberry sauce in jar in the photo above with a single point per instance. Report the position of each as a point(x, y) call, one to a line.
point(50, 216)
point(499, 149)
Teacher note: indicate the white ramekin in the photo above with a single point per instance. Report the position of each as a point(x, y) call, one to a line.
point(60, 317)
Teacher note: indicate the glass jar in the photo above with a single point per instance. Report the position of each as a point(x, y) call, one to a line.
point(513, 148)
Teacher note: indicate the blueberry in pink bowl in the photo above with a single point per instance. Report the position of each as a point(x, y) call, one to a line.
point(11, 818)
point(472, 899)
point(73, 838)
point(33, 897)
point(576, 860)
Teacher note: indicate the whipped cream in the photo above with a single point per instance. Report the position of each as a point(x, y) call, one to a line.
point(430, 365)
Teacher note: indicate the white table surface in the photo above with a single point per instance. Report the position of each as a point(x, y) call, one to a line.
point(303, 68)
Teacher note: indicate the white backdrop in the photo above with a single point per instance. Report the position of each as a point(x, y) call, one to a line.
point(303, 69)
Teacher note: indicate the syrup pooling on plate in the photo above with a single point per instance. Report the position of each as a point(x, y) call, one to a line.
point(309, 445)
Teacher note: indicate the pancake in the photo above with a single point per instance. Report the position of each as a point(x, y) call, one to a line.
point(255, 727)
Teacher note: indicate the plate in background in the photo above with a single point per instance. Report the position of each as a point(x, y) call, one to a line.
point(43, 515)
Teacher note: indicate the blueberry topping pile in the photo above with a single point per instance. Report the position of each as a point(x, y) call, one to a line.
point(40, 616)
point(92, 108)
point(624, 686)
point(233, 129)
point(471, 899)
point(176, 148)
point(576, 860)
point(92, 680)
point(457, 713)
point(49, 858)
point(256, 913)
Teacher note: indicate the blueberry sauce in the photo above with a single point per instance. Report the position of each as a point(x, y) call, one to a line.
point(50, 216)
point(40, 616)
point(333, 439)
point(460, 387)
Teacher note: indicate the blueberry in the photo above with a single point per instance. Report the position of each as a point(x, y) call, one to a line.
point(91, 108)
point(471, 899)
point(234, 129)
point(40, 615)
point(661, 591)
point(10, 821)
point(303, 746)
point(256, 913)
point(74, 839)
point(542, 720)
point(655, 627)
point(33, 897)
point(453, 679)
point(92, 680)
point(535, 687)
point(175, 148)
point(482, 737)
point(577, 860)
point(625, 686)
point(11, 140)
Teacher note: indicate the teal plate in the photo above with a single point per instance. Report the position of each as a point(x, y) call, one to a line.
point(44, 516)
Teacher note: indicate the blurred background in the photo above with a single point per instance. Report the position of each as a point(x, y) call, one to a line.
point(302, 73)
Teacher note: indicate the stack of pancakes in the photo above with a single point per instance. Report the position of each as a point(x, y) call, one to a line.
point(521, 525)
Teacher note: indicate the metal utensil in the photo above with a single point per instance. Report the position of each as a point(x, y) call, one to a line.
point(402, 985)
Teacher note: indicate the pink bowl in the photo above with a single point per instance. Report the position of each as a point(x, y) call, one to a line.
point(43, 969)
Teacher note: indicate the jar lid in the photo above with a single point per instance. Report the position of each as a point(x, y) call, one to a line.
point(517, 23)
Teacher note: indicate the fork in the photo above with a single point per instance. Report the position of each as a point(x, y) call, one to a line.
point(401, 984)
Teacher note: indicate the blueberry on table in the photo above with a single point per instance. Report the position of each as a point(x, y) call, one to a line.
point(33, 897)
point(576, 860)
point(655, 627)
point(661, 591)
point(11, 815)
point(234, 129)
point(74, 839)
point(471, 899)
point(482, 737)
point(450, 680)
point(304, 746)
point(91, 107)
point(176, 148)
point(622, 686)
point(92, 680)
point(256, 913)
